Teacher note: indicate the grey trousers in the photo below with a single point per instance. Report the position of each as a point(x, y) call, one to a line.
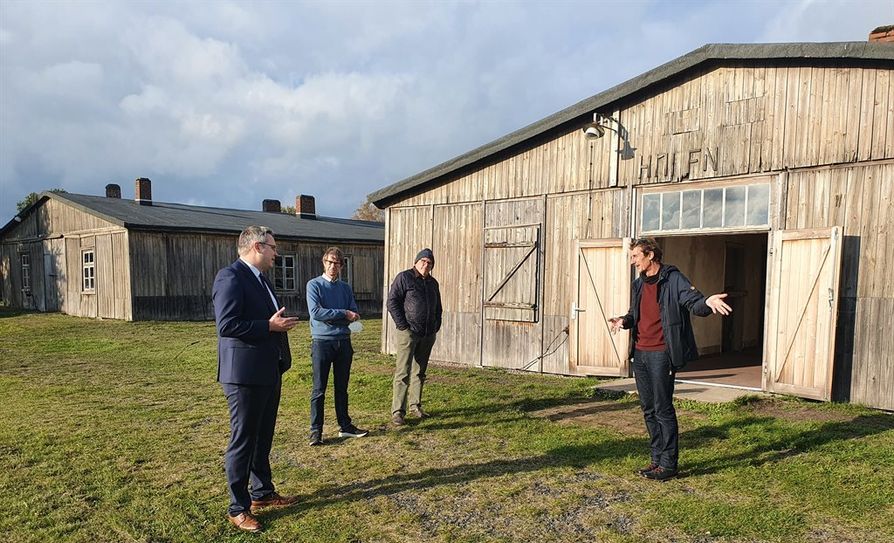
point(409, 369)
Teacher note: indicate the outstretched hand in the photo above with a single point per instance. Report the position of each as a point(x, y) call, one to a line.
point(278, 323)
point(717, 304)
point(617, 323)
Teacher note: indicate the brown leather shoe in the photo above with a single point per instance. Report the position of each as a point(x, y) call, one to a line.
point(273, 500)
point(245, 521)
point(398, 419)
point(417, 411)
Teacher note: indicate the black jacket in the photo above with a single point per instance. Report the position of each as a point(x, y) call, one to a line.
point(676, 299)
point(414, 303)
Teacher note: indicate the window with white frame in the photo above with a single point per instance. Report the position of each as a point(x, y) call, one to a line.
point(347, 272)
point(88, 274)
point(731, 207)
point(25, 260)
point(284, 273)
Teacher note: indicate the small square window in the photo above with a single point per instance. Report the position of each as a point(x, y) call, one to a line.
point(734, 207)
point(25, 260)
point(284, 273)
point(670, 211)
point(692, 209)
point(713, 209)
point(346, 271)
point(88, 268)
point(758, 212)
point(651, 212)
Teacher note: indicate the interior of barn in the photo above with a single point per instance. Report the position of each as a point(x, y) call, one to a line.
point(730, 348)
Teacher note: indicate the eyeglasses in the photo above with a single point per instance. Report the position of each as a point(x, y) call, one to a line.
point(333, 262)
point(271, 245)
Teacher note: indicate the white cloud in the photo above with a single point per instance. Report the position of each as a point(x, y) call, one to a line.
point(812, 20)
point(228, 103)
point(166, 52)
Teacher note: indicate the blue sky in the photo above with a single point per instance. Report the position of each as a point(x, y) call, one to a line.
point(228, 103)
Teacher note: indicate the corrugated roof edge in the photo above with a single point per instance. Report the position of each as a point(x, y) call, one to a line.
point(44, 196)
point(675, 68)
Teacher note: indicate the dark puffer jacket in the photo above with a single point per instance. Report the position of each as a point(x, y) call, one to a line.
point(414, 303)
point(676, 299)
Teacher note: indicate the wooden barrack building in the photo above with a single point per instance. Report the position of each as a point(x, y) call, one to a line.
point(765, 170)
point(107, 257)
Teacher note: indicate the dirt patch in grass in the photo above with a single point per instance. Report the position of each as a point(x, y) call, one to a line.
point(448, 379)
point(625, 417)
point(797, 412)
point(569, 509)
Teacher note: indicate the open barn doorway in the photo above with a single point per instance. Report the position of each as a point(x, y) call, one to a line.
point(730, 348)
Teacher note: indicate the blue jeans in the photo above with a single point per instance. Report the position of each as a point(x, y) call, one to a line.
point(655, 386)
point(337, 354)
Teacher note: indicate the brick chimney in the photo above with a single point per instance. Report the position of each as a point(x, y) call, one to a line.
point(271, 206)
point(143, 192)
point(306, 207)
point(113, 190)
point(882, 33)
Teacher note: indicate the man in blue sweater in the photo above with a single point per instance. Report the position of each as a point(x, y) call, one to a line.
point(332, 307)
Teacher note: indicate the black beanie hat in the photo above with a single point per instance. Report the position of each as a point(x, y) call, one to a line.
point(425, 253)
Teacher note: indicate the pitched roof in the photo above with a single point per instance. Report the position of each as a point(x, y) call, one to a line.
point(708, 55)
point(186, 218)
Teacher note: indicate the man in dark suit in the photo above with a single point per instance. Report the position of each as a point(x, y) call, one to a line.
point(253, 353)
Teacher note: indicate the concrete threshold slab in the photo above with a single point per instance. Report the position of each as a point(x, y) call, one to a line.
point(689, 390)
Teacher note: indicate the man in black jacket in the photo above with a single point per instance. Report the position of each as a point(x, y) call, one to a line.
point(414, 302)
point(661, 343)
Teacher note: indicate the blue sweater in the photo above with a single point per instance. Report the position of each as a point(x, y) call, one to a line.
point(326, 303)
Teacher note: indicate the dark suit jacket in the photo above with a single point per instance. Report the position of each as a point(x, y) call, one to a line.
point(247, 352)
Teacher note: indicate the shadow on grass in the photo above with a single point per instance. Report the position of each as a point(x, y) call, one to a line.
point(776, 448)
point(577, 456)
point(8, 312)
point(498, 412)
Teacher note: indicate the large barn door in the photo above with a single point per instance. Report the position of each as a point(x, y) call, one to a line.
point(602, 292)
point(802, 312)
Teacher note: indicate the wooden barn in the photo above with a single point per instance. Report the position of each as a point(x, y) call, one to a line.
point(766, 171)
point(103, 256)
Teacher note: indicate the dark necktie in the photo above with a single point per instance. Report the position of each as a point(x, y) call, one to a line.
point(283, 338)
point(269, 288)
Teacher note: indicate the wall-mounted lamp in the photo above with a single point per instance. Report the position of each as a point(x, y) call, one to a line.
point(600, 124)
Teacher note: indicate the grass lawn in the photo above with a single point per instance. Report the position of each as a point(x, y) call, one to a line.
point(114, 432)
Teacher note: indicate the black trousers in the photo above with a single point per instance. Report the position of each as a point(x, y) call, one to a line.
point(247, 459)
point(655, 386)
